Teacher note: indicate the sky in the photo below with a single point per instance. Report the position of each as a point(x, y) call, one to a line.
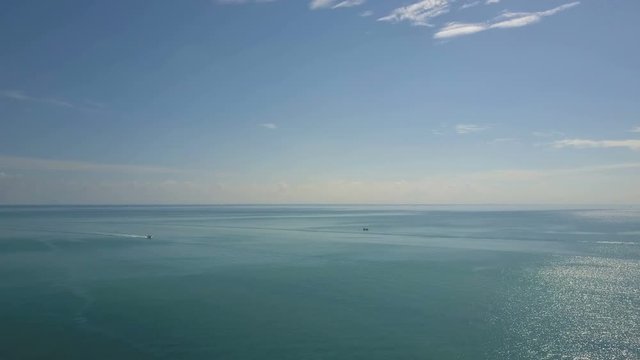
point(319, 101)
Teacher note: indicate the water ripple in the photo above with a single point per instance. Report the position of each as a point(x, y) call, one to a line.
point(577, 308)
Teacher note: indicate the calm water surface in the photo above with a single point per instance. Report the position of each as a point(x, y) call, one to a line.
point(305, 282)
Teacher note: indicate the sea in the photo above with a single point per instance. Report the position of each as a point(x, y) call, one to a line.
point(319, 282)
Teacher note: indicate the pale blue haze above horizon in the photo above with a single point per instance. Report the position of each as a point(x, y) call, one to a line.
point(291, 101)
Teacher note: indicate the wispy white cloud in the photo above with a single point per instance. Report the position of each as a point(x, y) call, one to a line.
point(517, 19)
point(591, 144)
point(422, 12)
point(454, 29)
point(18, 95)
point(348, 3)
point(334, 4)
point(442, 129)
point(321, 4)
point(470, 5)
point(269, 126)
point(635, 129)
point(469, 128)
point(15, 95)
point(506, 20)
point(419, 13)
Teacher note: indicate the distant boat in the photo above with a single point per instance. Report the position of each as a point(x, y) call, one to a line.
point(148, 236)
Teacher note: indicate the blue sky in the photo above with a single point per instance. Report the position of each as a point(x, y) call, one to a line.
point(319, 101)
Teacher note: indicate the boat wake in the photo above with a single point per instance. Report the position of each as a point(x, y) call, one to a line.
point(121, 235)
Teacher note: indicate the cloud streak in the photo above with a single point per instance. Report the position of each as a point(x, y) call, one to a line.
point(269, 126)
point(506, 20)
point(455, 29)
point(594, 144)
point(17, 95)
point(420, 13)
point(21, 96)
point(321, 4)
point(470, 5)
point(469, 128)
point(423, 12)
point(348, 4)
point(334, 4)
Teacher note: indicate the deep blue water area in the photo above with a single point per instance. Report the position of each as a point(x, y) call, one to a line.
point(306, 282)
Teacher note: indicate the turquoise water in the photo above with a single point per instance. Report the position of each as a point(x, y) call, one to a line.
point(305, 282)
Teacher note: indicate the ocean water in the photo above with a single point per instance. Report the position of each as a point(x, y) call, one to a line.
point(306, 282)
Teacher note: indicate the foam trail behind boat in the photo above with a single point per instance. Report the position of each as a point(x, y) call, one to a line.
point(122, 235)
point(77, 232)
